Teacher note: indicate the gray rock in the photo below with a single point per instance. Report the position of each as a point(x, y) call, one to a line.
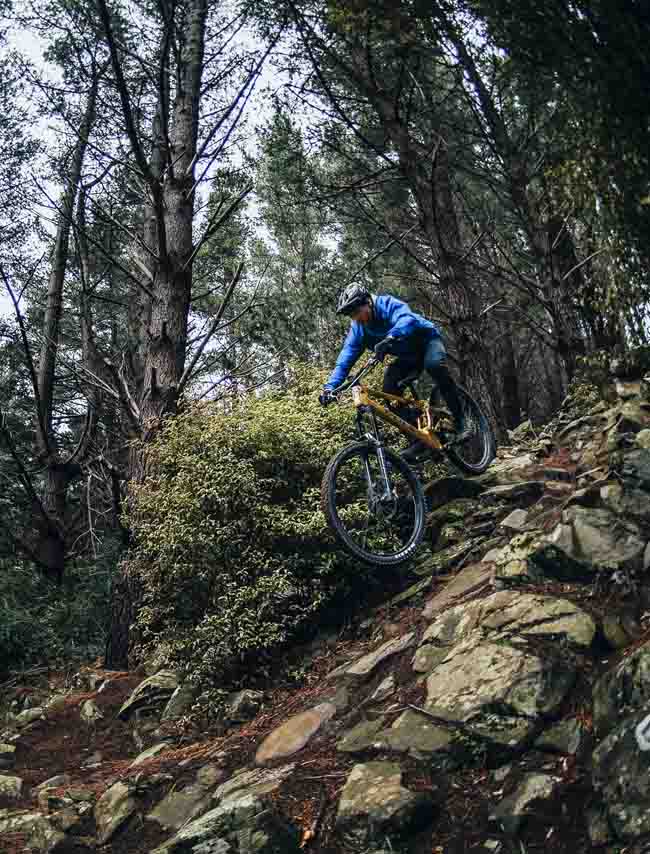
point(515, 521)
point(602, 539)
point(472, 579)
point(112, 810)
point(416, 734)
point(522, 431)
point(241, 824)
point(10, 787)
point(643, 439)
point(151, 694)
point(384, 690)
point(374, 806)
point(365, 666)
point(361, 737)
point(620, 630)
point(621, 775)
point(293, 734)
point(636, 468)
point(181, 806)
point(54, 782)
point(427, 657)
point(507, 471)
point(622, 691)
point(534, 788)
point(29, 716)
point(255, 781)
point(243, 705)
point(526, 490)
point(566, 736)
point(90, 712)
point(508, 614)
point(150, 753)
point(497, 691)
point(180, 702)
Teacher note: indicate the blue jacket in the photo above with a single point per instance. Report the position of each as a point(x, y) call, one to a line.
point(392, 317)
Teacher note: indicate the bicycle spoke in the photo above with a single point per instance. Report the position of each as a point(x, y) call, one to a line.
point(376, 521)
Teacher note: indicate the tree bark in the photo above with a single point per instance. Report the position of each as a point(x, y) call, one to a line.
point(159, 323)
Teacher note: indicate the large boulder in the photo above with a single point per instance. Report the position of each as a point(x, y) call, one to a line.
point(498, 692)
point(374, 807)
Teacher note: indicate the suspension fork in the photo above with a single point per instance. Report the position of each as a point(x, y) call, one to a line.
point(374, 438)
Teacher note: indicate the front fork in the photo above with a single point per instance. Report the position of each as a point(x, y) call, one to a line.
point(374, 439)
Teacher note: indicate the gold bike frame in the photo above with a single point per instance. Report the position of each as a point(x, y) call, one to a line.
point(425, 431)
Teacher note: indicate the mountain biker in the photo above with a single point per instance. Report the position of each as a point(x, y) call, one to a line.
point(387, 325)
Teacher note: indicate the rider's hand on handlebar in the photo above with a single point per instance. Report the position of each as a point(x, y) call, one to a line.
point(326, 397)
point(383, 348)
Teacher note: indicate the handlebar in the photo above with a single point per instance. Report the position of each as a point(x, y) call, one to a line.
point(370, 364)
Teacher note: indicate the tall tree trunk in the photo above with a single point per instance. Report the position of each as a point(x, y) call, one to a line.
point(160, 322)
point(50, 538)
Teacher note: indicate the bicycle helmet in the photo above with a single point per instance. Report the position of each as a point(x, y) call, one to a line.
point(352, 297)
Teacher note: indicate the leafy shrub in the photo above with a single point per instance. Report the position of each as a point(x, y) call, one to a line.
point(231, 550)
point(43, 623)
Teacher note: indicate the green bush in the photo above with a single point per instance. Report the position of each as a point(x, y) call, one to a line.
point(42, 623)
point(231, 550)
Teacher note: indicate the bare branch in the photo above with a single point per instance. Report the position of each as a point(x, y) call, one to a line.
point(213, 326)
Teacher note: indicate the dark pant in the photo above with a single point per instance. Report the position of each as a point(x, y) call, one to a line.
point(431, 357)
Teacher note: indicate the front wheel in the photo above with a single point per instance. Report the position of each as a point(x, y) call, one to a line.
point(379, 526)
point(476, 452)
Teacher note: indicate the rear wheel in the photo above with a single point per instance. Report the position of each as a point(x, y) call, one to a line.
point(378, 526)
point(475, 453)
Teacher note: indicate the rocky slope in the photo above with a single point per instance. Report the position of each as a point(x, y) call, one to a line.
point(500, 703)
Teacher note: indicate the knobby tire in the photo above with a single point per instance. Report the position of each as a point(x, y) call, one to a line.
point(328, 506)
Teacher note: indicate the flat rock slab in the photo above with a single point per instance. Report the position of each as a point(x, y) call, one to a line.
point(515, 521)
point(509, 614)
point(179, 807)
point(293, 734)
point(472, 579)
point(365, 666)
point(374, 805)
point(525, 490)
point(420, 737)
point(256, 781)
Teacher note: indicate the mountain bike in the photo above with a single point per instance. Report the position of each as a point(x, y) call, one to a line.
point(370, 495)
